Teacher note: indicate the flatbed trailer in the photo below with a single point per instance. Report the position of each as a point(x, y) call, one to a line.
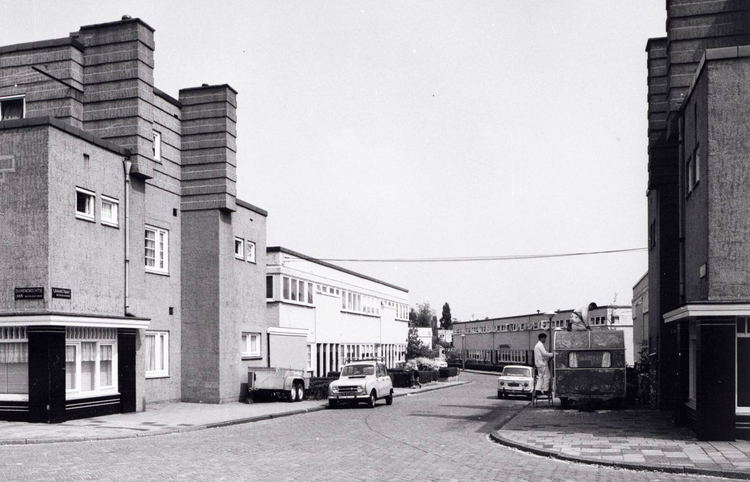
point(286, 382)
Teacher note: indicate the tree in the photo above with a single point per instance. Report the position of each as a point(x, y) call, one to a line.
point(422, 315)
point(414, 346)
point(446, 321)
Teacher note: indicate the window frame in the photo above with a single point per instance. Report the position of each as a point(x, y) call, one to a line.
point(114, 202)
point(17, 335)
point(239, 243)
point(12, 98)
point(156, 147)
point(155, 269)
point(251, 252)
point(73, 393)
point(159, 355)
point(85, 215)
point(248, 351)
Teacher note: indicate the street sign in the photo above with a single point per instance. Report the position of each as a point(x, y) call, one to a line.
point(29, 293)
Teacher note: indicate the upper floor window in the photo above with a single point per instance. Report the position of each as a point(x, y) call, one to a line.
point(251, 251)
point(239, 248)
point(109, 211)
point(157, 250)
point(157, 146)
point(85, 204)
point(12, 108)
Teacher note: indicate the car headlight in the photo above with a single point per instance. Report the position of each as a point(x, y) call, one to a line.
point(525, 384)
point(502, 383)
point(334, 389)
point(360, 389)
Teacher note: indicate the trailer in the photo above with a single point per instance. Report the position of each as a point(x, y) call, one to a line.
point(589, 366)
point(288, 383)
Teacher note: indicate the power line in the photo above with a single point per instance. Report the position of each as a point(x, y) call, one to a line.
point(458, 259)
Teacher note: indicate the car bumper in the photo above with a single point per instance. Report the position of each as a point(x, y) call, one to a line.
point(349, 398)
point(515, 390)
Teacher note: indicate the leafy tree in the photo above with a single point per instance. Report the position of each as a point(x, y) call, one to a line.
point(446, 321)
point(414, 346)
point(423, 315)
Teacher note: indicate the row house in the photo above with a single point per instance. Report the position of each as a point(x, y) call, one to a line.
point(699, 215)
point(122, 282)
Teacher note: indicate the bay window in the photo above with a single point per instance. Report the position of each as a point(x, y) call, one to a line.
point(90, 361)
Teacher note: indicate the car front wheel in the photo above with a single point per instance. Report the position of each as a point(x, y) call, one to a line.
point(389, 399)
point(371, 401)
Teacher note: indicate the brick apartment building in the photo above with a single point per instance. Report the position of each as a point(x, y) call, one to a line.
point(129, 271)
point(699, 215)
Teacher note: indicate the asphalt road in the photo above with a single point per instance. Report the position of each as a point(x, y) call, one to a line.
point(434, 436)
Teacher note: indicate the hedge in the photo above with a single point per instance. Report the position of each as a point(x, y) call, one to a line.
point(448, 372)
point(319, 388)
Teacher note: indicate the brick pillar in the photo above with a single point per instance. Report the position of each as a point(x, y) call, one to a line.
point(46, 374)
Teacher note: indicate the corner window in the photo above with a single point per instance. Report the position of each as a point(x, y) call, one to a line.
point(14, 363)
point(156, 347)
point(251, 344)
point(157, 250)
point(90, 360)
point(251, 252)
point(110, 209)
point(12, 108)
point(157, 146)
point(239, 248)
point(85, 204)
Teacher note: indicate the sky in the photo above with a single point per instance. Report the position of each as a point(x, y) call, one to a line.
point(391, 130)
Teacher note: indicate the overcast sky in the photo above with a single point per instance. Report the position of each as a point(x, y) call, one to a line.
point(435, 129)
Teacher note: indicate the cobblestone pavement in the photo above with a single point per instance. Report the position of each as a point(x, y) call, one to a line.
point(432, 436)
point(636, 438)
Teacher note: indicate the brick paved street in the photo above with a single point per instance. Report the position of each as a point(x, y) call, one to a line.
point(435, 436)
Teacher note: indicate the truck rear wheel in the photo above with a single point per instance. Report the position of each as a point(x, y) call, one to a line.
point(300, 388)
point(291, 395)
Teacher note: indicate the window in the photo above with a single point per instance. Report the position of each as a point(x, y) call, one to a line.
point(157, 250)
point(14, 363)
point(85, 204)
point(285, 292)
point(589, 359)
point(310, 293)
point(110, 211)
point(157, 146)
point(239, 248)
point(309, 358)
point(697, 166)
point(251, 252)
point(251, 344)
point(12, 108)
point(156, 347)
point(90, 360)
point(269, 287)
point(689, 179)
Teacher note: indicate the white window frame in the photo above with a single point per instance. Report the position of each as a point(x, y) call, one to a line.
point(239, 248)
point(248, 348)
point(161, 358)
point(156, 149)
point(114, 222)
point(98, 389)
point(250, 251)
point(157, 251)
point(89, 213)
point(11, 98)
point(15, 334)
point(309, 358)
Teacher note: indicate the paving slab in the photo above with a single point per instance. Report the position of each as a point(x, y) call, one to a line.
point(629, 438)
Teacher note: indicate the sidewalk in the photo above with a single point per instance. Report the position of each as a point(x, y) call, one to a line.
point(635, 439)
point(159, 419)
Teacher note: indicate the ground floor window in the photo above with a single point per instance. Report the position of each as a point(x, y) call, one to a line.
point(156, 347)
point(90, 360)
point(743, 363)
point(14, 362)
point(251, 344)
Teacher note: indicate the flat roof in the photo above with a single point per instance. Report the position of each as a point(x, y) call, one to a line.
point(280, 249)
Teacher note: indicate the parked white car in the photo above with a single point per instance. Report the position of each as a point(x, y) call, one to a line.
point(361, 381)
point(441, 363)
point(515, 380)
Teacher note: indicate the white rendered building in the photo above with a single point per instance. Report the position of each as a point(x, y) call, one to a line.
point(346, 314)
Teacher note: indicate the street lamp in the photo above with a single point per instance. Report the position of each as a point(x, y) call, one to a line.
point(463, 351)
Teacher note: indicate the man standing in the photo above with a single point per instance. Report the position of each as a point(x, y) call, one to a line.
point(541, 357)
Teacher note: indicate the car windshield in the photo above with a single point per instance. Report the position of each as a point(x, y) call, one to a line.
point(357, 370)
point(516, 372)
